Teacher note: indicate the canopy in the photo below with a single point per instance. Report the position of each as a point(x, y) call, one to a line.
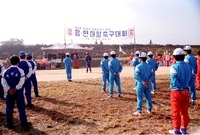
point(71, 46)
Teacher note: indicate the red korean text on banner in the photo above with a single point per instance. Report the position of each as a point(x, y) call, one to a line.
point(69, 32)
point(131, 32)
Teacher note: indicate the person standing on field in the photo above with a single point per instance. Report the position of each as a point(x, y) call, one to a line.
point(135, 62)
point(33, 77)
point(151, 61)
point(88, 60)
point(143, 75)
point(115, 68)
point(2, 69)
point(198, 71)
point(181, 78)
point(68, 66)
point(13, 80)
point(26, 66)
point(191, 60)
point(105, 71)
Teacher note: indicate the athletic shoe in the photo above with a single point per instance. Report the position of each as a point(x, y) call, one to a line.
point(192, 102)
point(175, 132)
point(137, 113)
point(148, 111)
point(183, 131)
point(153, 92)
point(119, 96)
point(134, 88)
point(103, 90)
point(110, 96)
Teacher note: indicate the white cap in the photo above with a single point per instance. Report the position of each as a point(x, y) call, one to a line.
point(187, 47)
point(112, 52)
point(178, 51)
point(150, 53)
point(137, 52)
point(143, 55)
point(67, 53)
point(105, 54)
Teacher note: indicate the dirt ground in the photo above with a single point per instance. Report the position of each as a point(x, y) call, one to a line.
point(79, 107)
point(77, 74)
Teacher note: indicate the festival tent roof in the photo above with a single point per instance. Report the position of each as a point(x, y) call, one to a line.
point(63, 47)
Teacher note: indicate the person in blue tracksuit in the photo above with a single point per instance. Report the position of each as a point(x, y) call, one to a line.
point(192, 61)
point(115, 68)
point(26, 66)
point(2, 68)
point(143, 75)
point(68, 66)
point(181, 78)
point(154, 65)
point(33, 77)
point(135, 62)
point(13, 79)
point(105, 71)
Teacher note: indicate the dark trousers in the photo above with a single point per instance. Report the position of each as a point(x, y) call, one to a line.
point(35, 84)
point(10, 103)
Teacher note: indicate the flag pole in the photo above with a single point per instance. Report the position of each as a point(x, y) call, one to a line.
point(64, 37)
point(134, 38)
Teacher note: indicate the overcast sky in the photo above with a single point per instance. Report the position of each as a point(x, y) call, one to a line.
point(42, 21)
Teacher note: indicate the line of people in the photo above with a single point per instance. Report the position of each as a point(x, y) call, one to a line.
point(182, 82)
point(16, 80)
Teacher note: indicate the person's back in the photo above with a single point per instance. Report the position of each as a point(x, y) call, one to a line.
point(191, 60)
point(68, 62)
point(153, 63)
point(13, 79)
point(183, 76)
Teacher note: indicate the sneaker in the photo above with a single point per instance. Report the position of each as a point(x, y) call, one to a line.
point(153, 92)
point(137, 113)
point(175, 132)
point(134, 88)
point(119, 96)
point(183, 131)
point(192, 102)
point(148, 111)
point(103, 90)
point(110, 96)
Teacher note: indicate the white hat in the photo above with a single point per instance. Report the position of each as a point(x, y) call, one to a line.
point(112, 52)
point(137, 52)
point(143, 55)
point(178, 51)
point(150, 53)
point(105, 54)
point(67, 53)
point(187, 47)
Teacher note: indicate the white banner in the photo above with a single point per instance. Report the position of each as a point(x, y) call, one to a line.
point(100, 33)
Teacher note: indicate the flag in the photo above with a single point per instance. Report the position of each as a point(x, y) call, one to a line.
point(120, 50)
point(69, 32)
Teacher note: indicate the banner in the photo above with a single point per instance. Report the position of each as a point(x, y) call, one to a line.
point(100, 33)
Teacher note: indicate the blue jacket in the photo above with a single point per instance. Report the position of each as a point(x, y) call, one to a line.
point(34, 66)
point(190, 59)
point(13, 77)
point(153, 63)
point(115, 66)
point(135, 61)
point(143, 72)
point(67, 62)
point(104, 65)
point(181, 75)
point(26, 66)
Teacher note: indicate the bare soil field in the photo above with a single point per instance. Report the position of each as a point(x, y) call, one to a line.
point(79, 107)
